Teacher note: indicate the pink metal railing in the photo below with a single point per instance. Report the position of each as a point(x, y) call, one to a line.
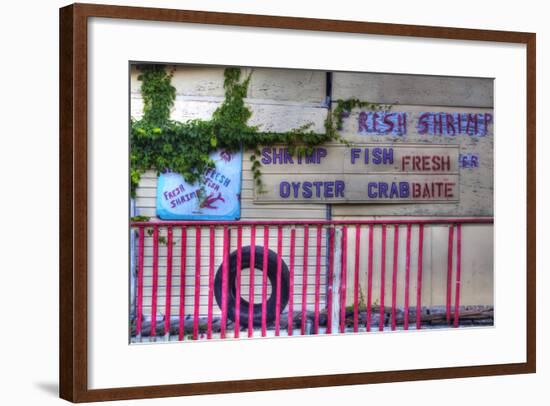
point(317, 227)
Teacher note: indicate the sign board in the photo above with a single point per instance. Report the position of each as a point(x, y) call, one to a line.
point(216, 198)
point(424, 123)
point(361, 173)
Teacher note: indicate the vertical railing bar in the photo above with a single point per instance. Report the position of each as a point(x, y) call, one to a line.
point(155, 281)
point(419, 276)
point(264, 280)
point(317, 280)
point(449, 274)
point(168, 299)
point(343, 279)
point(369, 277)
point(304, 280)
point(407, 279)
point(356, 279)
point(329, 280)
point(458, 269)
point(290, 324)
point(211, 248)
point(394, 277)
point(225, 271)
point(139, 312)
point(196, 303)
point(381, 319)
point(238, 282)
point(183, 265)
point(278, 280)
point(252, 267)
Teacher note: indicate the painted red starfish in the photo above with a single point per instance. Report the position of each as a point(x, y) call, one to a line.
point(207, 203)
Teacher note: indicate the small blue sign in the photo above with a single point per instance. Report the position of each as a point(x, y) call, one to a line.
point(217, 197)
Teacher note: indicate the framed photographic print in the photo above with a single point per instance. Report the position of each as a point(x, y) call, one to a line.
point(255, 202)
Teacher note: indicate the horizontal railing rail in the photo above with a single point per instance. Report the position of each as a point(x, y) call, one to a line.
point(446, 220)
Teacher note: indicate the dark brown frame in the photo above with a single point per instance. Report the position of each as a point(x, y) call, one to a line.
point(73, 310)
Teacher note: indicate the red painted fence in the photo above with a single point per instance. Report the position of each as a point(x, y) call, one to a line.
point(182, 286)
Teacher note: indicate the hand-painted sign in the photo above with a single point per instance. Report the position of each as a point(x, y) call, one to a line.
point(217, 197)
point(396, 123)
point(469, 161)
point(382, 122)
point(365, 173)
point(473, 124)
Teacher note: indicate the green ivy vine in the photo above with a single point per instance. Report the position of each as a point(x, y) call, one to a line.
point(344, 107)
point(160, 143)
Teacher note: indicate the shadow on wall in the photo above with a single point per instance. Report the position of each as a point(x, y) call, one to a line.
point(50, 388)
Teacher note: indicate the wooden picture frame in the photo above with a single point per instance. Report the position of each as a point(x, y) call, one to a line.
point(73, 200)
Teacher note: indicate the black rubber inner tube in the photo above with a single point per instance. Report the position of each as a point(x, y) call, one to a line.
point(232, 296)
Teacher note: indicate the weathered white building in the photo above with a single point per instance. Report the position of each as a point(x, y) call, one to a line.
point(283, 99)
